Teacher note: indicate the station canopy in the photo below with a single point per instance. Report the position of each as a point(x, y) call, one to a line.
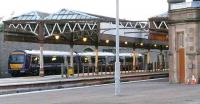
point(72, 26)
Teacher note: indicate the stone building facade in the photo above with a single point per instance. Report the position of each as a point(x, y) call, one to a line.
point(184, 42)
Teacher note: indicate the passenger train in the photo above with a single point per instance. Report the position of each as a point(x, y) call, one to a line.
point(27, 61)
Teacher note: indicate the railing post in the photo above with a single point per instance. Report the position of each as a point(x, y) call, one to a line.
point(62, 70)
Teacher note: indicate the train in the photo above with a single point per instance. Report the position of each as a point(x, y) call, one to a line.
point(27, 61)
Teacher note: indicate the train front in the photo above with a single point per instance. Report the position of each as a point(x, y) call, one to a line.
point(16, 63)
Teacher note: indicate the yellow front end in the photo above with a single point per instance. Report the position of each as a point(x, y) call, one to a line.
point(16, 66)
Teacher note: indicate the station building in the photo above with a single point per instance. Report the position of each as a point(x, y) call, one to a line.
point(184, 44)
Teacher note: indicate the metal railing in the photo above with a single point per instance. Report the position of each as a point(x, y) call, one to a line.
point(86, 70)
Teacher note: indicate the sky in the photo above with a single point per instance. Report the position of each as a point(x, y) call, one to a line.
point(129, 9)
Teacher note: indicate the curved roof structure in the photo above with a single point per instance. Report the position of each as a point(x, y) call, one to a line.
point(69, 14)
point(34, 15)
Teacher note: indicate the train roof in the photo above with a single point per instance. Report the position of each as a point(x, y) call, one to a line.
point(47, 52)
point(105, 54)
point(63, 53)
point(94, 53)
point(128, 54)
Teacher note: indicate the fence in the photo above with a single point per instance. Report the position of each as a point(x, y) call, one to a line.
point(109, 69)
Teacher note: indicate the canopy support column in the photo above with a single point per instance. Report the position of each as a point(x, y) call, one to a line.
point(41, 73)
point(71, 56)
point(96, 59)
point(148, 57)
point(41, 39)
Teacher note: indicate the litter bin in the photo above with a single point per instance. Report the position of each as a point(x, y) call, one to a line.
point(70, 71)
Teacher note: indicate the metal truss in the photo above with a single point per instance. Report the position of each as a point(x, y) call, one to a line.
point(51, 28)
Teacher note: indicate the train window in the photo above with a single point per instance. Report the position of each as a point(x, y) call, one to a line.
point(35, 59)
point(102, 60)
point(54, 59)
point(86, 60)
point(129, 59)
point(16, 58)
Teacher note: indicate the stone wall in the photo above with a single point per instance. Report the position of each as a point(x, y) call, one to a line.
point(184, 34)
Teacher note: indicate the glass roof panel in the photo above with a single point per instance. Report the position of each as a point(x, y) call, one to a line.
point(54, 17)
point(78, 16)
point(29, 18)
point(70, 14)
point(59, 17)
point(64, 16)
point(35, 15)
point(74, 16)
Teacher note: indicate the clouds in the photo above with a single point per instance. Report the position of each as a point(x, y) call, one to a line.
point(129, 9)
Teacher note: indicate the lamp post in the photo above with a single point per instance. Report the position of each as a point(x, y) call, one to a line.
point(117, 63)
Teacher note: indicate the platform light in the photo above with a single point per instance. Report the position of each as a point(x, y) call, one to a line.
point(141, 44)
point(155, 45)
point(107, 41)
point(125, 42)
point(84, 39)
point(166, 46)
point(57, 37)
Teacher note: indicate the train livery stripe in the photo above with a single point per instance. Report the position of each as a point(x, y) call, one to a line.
point(17, 53)
point(16, 66)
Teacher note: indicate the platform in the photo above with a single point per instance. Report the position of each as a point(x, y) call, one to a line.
point(26, 84)
point(139, 92)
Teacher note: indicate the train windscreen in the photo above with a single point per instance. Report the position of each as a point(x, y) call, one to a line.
point(16, 58)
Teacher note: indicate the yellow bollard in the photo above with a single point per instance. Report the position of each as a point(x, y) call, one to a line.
point(70, 71)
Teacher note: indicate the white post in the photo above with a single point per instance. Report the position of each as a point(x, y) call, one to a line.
point(71, 56)
point(41, 61)
point(148, 57)
point(117, 63)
